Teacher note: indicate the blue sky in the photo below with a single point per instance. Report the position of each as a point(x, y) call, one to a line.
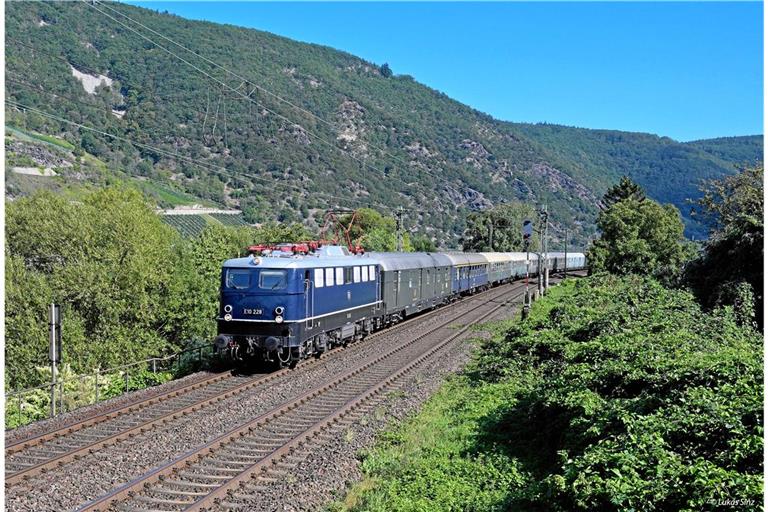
point(685, 70)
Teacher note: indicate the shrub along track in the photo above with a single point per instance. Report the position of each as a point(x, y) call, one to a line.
point(31, 456)
point(263, 446)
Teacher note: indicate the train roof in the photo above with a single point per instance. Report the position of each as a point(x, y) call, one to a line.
point(496, 257)
point(330, 257)
point(466, 258)
point(405, 260)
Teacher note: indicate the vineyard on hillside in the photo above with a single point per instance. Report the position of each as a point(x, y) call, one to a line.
point(192, 225)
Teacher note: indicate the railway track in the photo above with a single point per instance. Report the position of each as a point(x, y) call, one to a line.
point(224, 472)
point(31, 456)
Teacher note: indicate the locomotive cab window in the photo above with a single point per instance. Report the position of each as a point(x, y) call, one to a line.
point(273, 279)
point(319, 278)
point(364, 273)
point(339, 275)
point(329, 277)
point(238, 279)
point(356, 273)
point(372, 272)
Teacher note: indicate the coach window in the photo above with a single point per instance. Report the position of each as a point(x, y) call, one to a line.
point(372, 272)
point(340, 275)
point(356, 271)
point(364, 274)
point(319, 277)
point(329, 277)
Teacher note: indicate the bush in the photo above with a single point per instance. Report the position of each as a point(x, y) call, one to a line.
point(615, 394)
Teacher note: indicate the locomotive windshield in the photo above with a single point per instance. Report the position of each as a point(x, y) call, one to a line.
point(273, 279)
point(238, 279)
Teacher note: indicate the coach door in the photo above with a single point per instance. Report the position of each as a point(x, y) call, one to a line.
point(309, 297)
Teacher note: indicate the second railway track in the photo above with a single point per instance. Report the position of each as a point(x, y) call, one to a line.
point(31, 456)
point(221, 472)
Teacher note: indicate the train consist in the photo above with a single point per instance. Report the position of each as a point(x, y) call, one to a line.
point(283, 307)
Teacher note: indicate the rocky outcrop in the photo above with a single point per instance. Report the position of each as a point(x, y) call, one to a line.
point(466, 196)
point(558, 180)
point(297, 133)
point(352, 127)
point(478, 156)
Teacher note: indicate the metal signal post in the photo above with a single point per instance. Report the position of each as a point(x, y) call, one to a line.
point(54, 349)
point(527, 232)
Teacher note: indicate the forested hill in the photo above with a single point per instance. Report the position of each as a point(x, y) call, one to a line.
point(349, 132)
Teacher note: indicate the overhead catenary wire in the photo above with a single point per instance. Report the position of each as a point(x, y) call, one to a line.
point(248, 81)
point(218, 169)
point(160, 151)
point(245, 96)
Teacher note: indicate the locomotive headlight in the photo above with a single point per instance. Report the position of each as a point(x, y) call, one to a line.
point(227, 317)
point(279, 310)
point(279, 319)
point(227, 308)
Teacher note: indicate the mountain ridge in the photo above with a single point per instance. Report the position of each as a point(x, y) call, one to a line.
point(409, 144)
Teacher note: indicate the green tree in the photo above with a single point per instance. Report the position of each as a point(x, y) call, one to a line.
point(385, 70)
point(624, 189)
point(641, 237)
point(109, 262)
point(193, 298)
point(422, 243)
point(277, 232)
point(733, 255)
point(504, 222)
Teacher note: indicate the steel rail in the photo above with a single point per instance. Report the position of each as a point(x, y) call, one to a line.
point(161, 472)
point(98, 417)
point(74, 454)
point(274, 458)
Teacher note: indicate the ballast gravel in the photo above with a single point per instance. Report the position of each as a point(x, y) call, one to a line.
point(70, 486)
point(327, 472)
point(76, 415)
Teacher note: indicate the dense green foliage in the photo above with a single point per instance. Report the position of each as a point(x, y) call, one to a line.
point(637, 235)
point(78, 391)
point(504, 223)
point(106, 260)
point(731, 266)
point(624, 189)
point(129, 285)
point(670, 172)
point(746, 151)
point(615, 394)
point(438, 158)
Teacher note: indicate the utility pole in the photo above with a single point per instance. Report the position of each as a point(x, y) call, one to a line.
point(542, 266)
point(546, 248)
point(527, 232)
point(399, 217)
point(490, 233)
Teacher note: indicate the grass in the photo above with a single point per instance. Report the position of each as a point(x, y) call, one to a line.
point(34, 136)
point(615, 394)
point(166, 196)
point(434, 462)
